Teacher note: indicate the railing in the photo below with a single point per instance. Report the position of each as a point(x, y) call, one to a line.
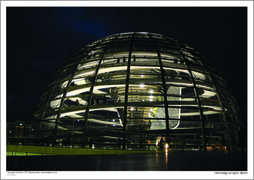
point(19, 150)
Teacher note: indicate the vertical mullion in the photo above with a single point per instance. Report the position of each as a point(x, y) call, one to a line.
point(127, 91)
point(198, 101)
point(61, 104)
point(164, 89)
point(90, 97)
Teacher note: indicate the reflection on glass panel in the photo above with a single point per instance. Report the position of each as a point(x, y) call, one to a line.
point(198, 75)
point(190, 113)
point(209, 105)
point(87, 65)
point(117, 69)
point(188, 124)
point(167, 62)
point(106, 77)
point(208, 94)
point(80, 91)
point(54, 95)
point(169, 55)
point(110, 116)
point(146, 98)
point(204, 85)
point(84, 73)
point(106, 99)
point(50, 114)
point(143, 53)
point(150, 61)
point(110, 61)
point(114, 54)
point(55, 103)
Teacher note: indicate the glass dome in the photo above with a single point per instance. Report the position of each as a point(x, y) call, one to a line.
point(139, 84)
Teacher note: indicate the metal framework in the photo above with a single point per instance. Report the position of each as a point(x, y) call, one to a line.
point(130, 88)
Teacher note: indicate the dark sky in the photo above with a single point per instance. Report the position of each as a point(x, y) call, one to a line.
point(40, 39)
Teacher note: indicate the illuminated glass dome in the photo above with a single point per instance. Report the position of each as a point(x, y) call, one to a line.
point(140, 84)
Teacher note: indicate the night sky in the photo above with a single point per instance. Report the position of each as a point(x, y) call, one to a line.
point(40, 39)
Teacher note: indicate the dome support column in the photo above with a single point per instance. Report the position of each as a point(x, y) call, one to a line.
point(202, 118)
point(60, 110)
point(90, 101)
point(164, 90)
point(227, 136)
point(126, 93)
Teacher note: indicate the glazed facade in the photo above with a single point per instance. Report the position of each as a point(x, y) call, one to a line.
point(136, 87)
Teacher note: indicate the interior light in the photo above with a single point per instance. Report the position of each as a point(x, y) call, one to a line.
point(142, 75)
point(142, 85)
point(113, 120)
point(20, 124)
point(151, 110)
point(151, 91)
point(132, 108)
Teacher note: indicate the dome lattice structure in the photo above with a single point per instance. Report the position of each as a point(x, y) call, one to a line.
point(132, 87)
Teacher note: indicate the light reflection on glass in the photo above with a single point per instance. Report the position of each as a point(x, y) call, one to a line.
point(166, 157)
point(157, 158)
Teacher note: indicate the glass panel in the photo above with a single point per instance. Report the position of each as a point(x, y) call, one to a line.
point(197, 67)
point(55, 103)
point(111, 61)
point(198, 75)
point(110, 70)
point(190, 124)
point(207, 94)
point(110, 116)
point(190, 113)
point(158, 124)
point(204, 85)
point(187, 92)
point(50, 114)
point(209, 105)
point(143, 53)
point(149, 61)
point(87, 65)
point(106, 99)
point(108, 78)
point(84, 73)
point(76, 92)
point(221, 89)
